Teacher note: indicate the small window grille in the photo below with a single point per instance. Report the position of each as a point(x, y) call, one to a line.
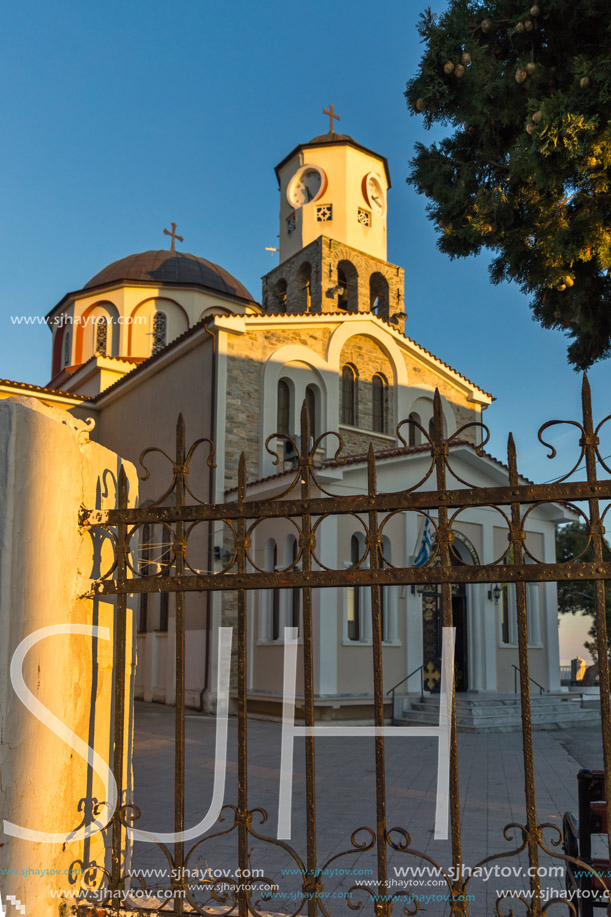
point(364, 217)
point(160, 331)
point(291, 223)
point(67, 348)
point(324, 213)
point(101, 337)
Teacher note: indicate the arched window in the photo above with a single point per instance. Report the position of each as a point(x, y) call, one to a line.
point(349, 377)
point(388, 596)
point(311, 398)
point(533, 612)
point(383, 601)
point(284, 407)
point(347, 287)
point(378, 403)
point(160, 331)
point(509, 616)
point(378, 295)
point(354, 595)
point(294, 597)
point(303, 297)
point(413, 434)
point(67, 347)
point(432, 426)
point(274, 605)
point(101, 336)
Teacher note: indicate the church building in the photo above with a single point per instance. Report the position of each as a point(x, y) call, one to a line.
point(164, 332)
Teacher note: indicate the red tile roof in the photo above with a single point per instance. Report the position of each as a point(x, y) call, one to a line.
point(395, 452)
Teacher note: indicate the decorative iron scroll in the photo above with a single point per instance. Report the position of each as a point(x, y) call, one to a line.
point(306, 503)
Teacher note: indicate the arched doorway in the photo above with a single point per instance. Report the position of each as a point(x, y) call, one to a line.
point(463, 552)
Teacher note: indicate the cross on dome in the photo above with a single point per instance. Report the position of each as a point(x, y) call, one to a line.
point(174, 236)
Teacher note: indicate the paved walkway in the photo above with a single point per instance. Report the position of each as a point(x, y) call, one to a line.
point(491, 786)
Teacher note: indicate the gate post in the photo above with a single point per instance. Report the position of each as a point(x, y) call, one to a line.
point(49, 469)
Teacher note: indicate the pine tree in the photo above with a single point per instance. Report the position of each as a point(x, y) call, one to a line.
point(525, 169)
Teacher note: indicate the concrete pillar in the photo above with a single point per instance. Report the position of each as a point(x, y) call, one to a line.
point(49, 469)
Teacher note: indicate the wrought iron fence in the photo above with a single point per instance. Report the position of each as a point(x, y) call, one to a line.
point(306, 502)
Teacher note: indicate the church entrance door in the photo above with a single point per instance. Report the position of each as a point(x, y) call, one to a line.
point(461, 652)
point(431, 639)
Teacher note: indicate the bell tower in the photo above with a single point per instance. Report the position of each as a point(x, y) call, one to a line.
point(333, 210)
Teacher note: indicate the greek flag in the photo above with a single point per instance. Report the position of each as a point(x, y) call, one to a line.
point(422, 549)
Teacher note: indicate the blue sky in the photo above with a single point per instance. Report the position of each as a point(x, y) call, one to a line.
point(121, 117)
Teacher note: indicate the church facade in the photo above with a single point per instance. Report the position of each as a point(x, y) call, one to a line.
point(164, 332)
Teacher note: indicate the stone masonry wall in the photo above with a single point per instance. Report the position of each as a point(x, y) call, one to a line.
point(324, 255)
point(247, 354)
point(464, 411)
point(369, 359)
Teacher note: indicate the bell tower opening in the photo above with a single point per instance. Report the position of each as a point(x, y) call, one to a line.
point(347, 287)
point(379, 295)
point(303, 292)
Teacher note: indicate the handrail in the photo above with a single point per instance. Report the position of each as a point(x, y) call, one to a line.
point(515, 680)
point(402, 682)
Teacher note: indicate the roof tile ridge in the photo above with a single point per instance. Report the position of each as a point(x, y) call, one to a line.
point(45, 388)
point(447, 365)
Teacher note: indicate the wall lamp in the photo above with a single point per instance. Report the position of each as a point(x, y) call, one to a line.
point(494, 595)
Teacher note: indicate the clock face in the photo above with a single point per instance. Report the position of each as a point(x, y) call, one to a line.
point(374, 193)
point(305, 186)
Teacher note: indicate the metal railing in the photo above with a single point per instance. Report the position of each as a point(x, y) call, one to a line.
point(517, 669)
point(403, 682)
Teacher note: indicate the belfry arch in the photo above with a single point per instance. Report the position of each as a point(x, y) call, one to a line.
point(347, 286)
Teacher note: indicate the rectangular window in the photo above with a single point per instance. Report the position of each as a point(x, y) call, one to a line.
point(364, 217)
point(164, 598)
point(353, 595)
point(353, 607)
point(533, 614)
point(324, 213)
point(275, 614)
point(145, 570)
point(143, 613)
point(509, 616)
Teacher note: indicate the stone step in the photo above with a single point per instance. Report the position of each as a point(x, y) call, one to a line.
point(498, 714)
point(498, 709)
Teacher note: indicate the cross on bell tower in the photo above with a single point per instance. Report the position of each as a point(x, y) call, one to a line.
point(332, 115)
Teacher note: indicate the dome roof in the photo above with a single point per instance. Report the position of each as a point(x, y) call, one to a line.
point(168, 267)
